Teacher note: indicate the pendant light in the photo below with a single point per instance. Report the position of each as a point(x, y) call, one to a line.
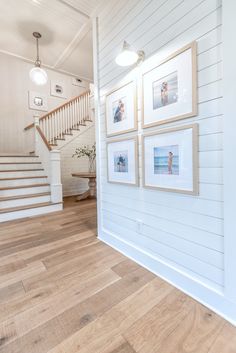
point(128, 56)
point(37, 74)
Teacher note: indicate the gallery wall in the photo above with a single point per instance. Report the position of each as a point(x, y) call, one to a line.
point(14, 110)
point(179, 237)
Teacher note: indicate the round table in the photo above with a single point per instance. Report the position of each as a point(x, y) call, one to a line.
point(91, 192)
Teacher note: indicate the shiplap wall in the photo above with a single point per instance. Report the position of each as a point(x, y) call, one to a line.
point(182, 232)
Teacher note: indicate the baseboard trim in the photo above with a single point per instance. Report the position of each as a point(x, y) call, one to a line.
point(207, 296)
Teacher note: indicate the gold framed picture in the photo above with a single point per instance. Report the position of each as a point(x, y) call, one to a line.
point(122, 161)
point(170, 159)
point(121, 109)
point(169, 90)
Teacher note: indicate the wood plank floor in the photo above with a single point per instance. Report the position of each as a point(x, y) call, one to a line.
point(63, 291)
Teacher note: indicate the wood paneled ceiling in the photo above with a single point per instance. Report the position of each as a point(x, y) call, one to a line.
point(65, 25)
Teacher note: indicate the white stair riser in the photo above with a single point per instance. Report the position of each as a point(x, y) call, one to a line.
point(25, 201)
point(20, 166)
point(22, 174)
point(20, 182)
point(18, 159)
point(24, 191)
point(30, 212)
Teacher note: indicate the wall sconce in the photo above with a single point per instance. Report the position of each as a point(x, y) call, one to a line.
point(128, 56)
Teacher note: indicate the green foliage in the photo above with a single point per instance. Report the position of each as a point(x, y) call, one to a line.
point(86, 151)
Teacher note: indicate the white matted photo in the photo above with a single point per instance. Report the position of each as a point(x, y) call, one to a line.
point(170, 89)
point(58, 89)
point(121, 110)
point(170, 159)
point(37, 101)
point(122, 161)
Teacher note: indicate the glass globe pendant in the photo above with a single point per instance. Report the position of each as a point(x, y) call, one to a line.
point(37, 74)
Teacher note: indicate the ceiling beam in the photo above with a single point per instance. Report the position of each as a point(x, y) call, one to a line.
point(73, 44)
point(72, 74)
point(64, 2)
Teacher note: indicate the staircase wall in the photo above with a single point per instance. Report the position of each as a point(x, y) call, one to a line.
point(14, 112)
point(69, 165)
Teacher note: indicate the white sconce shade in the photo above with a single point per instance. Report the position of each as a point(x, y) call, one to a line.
point(38, 76)
point(129, 57)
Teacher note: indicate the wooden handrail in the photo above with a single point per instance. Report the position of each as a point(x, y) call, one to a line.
point(57, 109)
point(43, 138)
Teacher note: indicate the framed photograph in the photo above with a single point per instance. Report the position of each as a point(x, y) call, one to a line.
point(122, 161)
point(170, 159)
point(76, 81)
point(58, 89)
point(121, 110)
point(38, 101)
point(170, 89)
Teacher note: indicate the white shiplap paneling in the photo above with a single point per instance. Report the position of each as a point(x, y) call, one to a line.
point(183, 231)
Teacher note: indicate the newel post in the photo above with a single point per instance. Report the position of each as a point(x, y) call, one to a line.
point(55, 176)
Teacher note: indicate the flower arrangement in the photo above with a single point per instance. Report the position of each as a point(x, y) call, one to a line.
point(87, 151)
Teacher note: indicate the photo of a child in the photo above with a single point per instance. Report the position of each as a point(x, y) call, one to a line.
point(166, 160)
point(121, 162)
point(119, 110)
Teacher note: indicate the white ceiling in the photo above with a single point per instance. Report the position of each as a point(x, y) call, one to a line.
point(65, 25)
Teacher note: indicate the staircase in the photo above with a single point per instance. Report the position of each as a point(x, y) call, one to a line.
point(65, 120)
point(24, 188)
point(31, 184)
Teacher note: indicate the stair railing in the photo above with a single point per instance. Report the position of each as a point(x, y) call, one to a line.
point(64, 119)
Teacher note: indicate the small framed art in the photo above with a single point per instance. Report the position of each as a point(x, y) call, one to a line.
point(58, 89)
point(170, 159)
point(122, 161)
point(170, 89)
point(121, 110)
point(37, 101)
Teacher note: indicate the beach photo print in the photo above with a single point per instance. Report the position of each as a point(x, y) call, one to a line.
point(170, 159)
point(122, 161)
point(170, 88)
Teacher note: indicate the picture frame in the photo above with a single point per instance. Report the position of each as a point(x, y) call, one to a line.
point(169, 90)
point(122, 161)
point(76, 81)
point(170, 159)
point(121, 109)
point(37, 101)
point(58, 89)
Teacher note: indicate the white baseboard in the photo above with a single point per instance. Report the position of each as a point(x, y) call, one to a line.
point(207, 296)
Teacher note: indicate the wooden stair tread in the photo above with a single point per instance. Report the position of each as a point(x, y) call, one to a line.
point(22, 208)
point(21, 170)
point(24, 186)
point(27, 196)
point(22, 178)
point(18, 155)
point(19, 163)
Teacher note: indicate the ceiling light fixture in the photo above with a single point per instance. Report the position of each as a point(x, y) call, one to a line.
point(128, 56)
point(37, 74)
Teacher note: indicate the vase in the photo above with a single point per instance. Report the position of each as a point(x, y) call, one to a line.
point(92, 165)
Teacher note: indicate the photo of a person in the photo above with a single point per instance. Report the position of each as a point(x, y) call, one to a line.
point(170, 162)
point(121, 162)
point(165, 91)
point(119, 110)
point(166, 160)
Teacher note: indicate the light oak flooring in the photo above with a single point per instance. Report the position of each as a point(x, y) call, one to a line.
point(63, 291)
